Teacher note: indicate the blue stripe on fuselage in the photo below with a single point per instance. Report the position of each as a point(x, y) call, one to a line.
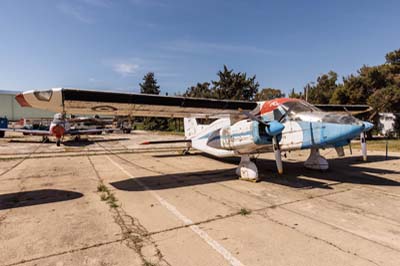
point(320, 135)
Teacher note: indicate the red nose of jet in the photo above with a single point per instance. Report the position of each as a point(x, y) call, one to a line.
point(57, 131)
point(21, 100)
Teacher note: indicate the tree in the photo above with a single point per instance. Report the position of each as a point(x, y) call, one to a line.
point(297, 95)
point(393, 57)
point(268, 94)
point(230, 86)
point(235, 86)
point(149, 85)
point(201, 90)
point(386, 100)
point(322, 91)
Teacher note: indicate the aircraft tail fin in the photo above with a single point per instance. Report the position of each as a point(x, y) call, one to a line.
point(191, 127)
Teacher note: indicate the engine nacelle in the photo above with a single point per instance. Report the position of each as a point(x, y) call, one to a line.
point(244, 134)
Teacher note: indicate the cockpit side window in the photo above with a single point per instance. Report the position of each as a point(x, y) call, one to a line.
point(43, 95)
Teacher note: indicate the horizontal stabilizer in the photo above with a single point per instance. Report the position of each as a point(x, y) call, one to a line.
point(166, 141)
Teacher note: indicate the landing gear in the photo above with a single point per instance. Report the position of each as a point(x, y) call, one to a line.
point(247, 170)
point(315, 161)
point(186, 151)
point(45, 139)
point(58, 142)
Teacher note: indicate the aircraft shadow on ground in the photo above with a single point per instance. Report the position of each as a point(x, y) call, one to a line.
point(342, 170)
point(70, 143)
point(36, 197)
point(87, 142)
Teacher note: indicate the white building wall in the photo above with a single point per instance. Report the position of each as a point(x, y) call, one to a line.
point(386, 122)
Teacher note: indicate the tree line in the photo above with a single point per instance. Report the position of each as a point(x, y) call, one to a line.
point(378, 86)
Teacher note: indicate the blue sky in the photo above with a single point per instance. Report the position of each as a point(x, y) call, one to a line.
point(104, 44)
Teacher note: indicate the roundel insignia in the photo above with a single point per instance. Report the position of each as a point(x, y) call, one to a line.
point(104, 108)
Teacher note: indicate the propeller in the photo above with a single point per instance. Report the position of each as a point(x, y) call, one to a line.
point(273, 128)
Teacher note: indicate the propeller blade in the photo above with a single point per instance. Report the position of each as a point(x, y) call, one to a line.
point(287, 110)
point(363, 146)
point(253, 117)
point(278, 156)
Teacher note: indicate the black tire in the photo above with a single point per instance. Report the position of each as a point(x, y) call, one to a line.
point(2, 134)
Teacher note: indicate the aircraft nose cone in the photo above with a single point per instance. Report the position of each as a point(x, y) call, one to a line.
point(275, 128)
point(21, 100)
point(367, 126)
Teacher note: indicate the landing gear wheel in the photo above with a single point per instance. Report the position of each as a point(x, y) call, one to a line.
point(58, 143)
point(45, 139)
point(247, 170)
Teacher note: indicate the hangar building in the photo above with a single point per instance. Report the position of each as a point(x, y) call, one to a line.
point(10, 108)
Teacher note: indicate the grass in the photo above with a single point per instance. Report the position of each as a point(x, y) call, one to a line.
point(244, 211)
point(380, 145)
point(101, 188)
point(107, 196)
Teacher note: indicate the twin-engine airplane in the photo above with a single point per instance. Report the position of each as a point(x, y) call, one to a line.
point(241, 128)
point(59, 127)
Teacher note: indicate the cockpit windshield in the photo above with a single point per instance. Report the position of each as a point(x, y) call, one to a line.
point(296, 107)
point(303, 111)
point(43, 95)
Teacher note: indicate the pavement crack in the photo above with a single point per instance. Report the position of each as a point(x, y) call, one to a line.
point(269, 218)
point(221, 217)
point(342, 229)
point(135, 235)
point(363, 212)
point(211, 198)
point(64, 252)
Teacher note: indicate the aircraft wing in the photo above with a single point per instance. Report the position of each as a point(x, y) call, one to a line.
point(77, 101)
point(88, 131)
point(27, 131)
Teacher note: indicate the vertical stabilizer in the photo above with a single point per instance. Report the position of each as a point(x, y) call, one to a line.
point(191, 127)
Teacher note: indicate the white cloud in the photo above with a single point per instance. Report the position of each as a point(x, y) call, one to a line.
point(125, 69)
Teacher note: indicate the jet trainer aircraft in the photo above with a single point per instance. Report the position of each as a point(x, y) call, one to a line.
point(242, 128)
point(59, 127)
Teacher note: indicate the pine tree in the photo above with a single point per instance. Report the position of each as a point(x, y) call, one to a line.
point(149, 85)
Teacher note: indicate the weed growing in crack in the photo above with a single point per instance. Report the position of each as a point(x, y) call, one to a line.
point(103, 196)
point(102, 188)
point(106, 195)
point(244, 211)
point(112, 200)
